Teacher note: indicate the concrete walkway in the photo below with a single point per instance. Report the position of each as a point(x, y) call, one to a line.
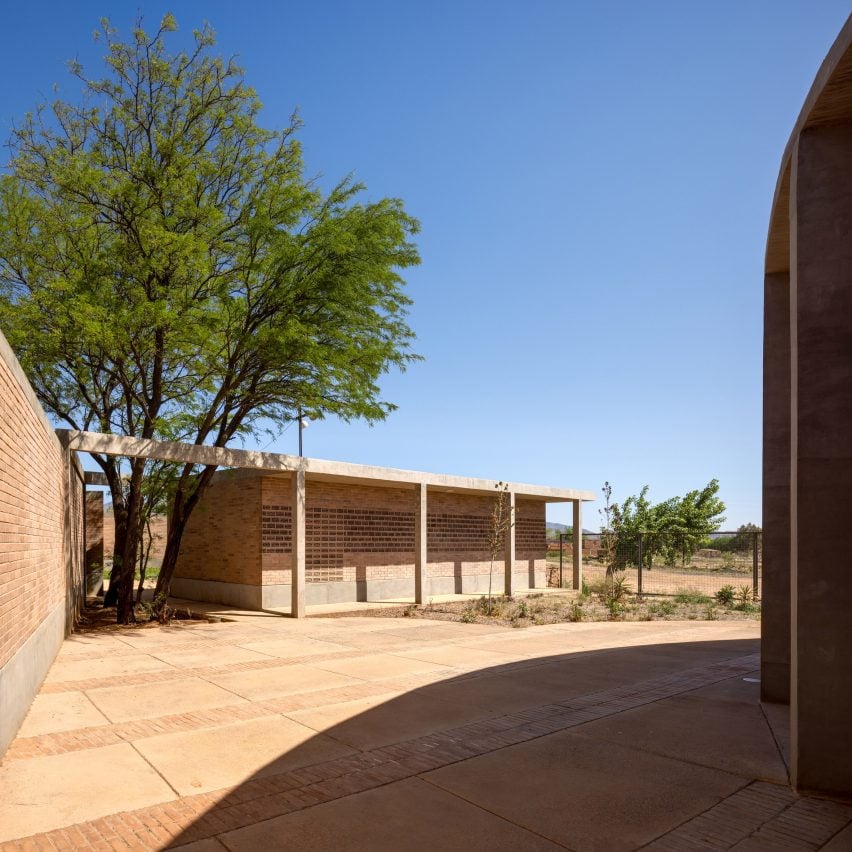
point(381, 733)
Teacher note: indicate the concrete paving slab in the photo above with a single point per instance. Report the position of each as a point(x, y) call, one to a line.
point(410, 815)
point(218, 655)
point(458, 656)
point(85, 645)
point(285, 648)
point(180, 633)
point(210, 759)
point(211, 844)
point(50, 792)
point(125, 703)
point(72, 669)
point(716, 733)
point(283, 680)
point(379, 666)
point(60, 711)
point(587, 794)
point(374, 722)
point(841, 842)
point(494, 694)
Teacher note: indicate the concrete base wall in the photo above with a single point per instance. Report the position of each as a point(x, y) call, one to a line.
point(237, 595)
point(24, 673)
point(277, 596)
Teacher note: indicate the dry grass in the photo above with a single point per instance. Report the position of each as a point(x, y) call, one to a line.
point(596, 606)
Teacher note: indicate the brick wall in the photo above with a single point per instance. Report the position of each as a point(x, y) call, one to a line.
point(242, 530)
point(222, 537)
point(41, 544)
point(360, 532)
point(32, 512)
point(351, 532)
point(159, 529)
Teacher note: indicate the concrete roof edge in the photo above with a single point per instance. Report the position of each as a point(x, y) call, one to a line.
point(96, 442)
point(779, 219)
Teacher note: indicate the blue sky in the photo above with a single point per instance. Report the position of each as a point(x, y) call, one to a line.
point(593, 182)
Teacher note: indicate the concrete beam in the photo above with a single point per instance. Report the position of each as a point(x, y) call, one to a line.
point(509, 565)
point(577, 548)
point(297, 586)
point(420, 542)
point(93, 477)
point(119, 445)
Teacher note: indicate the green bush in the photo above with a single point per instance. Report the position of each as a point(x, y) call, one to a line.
point(725, 595)
point(691, 596)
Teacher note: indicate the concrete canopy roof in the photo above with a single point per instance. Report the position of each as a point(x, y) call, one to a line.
point(315, 469)
point(828, 102)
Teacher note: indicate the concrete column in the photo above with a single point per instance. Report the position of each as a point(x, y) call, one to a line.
point(577, 547)
point(297, 588)
point(509, 572)
point(821, 460)
point(420, 548)
point(775, 595)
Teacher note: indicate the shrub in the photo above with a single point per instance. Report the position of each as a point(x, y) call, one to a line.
point(575, 613)
point(725, 595)
point(667, 607)
point(691, 596)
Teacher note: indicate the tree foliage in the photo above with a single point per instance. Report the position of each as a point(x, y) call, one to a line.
point(167, 271)
point(673, 529)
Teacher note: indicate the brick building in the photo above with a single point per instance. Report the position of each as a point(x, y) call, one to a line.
point(360, 538)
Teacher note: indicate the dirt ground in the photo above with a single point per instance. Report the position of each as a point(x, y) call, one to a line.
point(534, 610)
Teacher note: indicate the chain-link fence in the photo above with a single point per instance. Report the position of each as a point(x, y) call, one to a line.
point(725, 563)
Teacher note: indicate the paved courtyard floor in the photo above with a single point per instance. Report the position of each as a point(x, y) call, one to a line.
point(379, 733)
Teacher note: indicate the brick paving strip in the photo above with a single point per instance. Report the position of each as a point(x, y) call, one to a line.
point(164, 675)
point(758, 811)
point(757, 818)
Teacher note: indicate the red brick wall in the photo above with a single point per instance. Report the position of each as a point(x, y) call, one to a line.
point(353, 532)
point(94, 529)
point(159, 528)
point(223, 534)
point(358, 532)
point(33, 488)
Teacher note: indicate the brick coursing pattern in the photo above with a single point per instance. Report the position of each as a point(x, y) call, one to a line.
point(276, 526)
point(352, 532)
point(94, 530)
point(33, 489)
point(459, 533)
point(222, 540)
point(531, 535)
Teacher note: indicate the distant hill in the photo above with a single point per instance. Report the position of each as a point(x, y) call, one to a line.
point(555, 525)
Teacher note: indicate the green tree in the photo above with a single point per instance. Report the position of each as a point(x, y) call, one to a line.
point(743, 541)
point(168, 272)
point(674, 529)
point(500, 523)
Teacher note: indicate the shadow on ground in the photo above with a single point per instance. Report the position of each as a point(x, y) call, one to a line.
point(605, 749)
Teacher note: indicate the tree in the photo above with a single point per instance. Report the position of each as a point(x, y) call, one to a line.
point(168, 272)
point(499, 524)
point(743, 541)
point(677, 527)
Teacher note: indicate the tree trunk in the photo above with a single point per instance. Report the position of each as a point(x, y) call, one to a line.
point(119, 516)
point(125, 606)
point(187, 495)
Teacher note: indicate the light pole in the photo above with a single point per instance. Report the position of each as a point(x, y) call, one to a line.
point(303, 424)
